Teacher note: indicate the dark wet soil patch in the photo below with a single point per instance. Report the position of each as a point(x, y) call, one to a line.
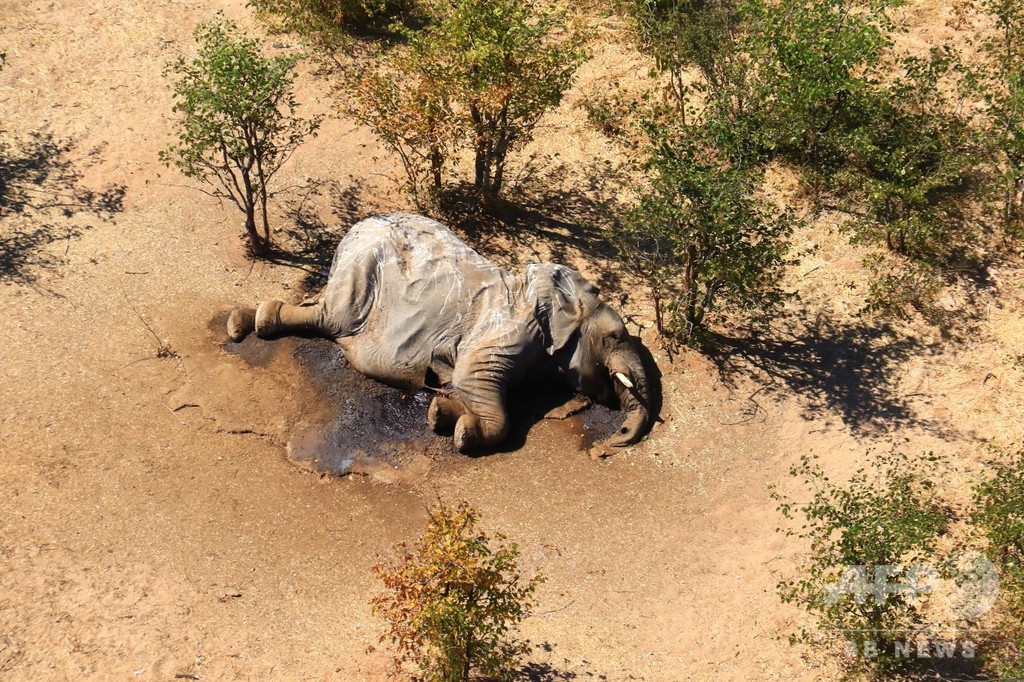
point(373, 428)
point(359, 425)
point(599, 422)
point(254, 351)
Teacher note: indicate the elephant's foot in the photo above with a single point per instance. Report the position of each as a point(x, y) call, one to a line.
point(443, 414)
point(268, 319)
point(466, 433)
point(472, 432)
point(241, 323)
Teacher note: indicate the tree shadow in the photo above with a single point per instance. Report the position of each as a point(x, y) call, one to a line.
point(572, 223)
point(310, 243)
point(957, 669)
point(40, 191)
point(543, 671)
point(846, 368)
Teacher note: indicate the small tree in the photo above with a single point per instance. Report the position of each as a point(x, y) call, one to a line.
point(238, 123)
point(509, 68)
point(453, 600)
point(999, 513)
point(862, 537)
point(411, 115)
point(699, 238)
point(1001, 85)
point(819, 62)
point(913, 165)
point(706, 34)
point(483, 72)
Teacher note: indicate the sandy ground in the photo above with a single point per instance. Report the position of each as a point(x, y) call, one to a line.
point(152, 526)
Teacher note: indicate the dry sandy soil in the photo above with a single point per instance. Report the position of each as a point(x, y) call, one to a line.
point(151, 523)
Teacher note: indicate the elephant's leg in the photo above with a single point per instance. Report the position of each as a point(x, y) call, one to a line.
point(444, 414)
point(274, 318)
point(482, 391)
point(241, 323)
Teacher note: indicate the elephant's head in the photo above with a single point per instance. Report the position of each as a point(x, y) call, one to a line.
point(592, 348)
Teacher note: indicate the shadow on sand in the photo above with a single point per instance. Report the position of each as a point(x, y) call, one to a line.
point(850, 369)
point(40, 192)
point(310, 241)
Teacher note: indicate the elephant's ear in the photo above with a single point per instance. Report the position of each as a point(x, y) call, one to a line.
point(560, 295)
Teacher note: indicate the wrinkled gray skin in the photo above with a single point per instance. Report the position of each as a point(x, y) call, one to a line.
point(411, 305)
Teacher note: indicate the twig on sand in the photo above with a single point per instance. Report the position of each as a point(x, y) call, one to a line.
point(163, 348)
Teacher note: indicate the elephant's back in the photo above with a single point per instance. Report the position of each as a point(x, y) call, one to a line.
point(409, 233)
point(407, 290)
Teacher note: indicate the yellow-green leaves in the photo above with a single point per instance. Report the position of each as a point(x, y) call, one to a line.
point(237, 123)
point(453, 600)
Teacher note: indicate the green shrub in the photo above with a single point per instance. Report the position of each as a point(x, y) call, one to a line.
point(1001, 86)
point(999, 513)
point(817, 86)
point(683, 34)
point(453, 600)
point(862, 537)
point(787, 78)
point(818, 66)
point(608, 110)
point(900, 287)
point(480, 75)
point(411, 117)
point(911, 181)
point(698, 238)
point(237, 122)
point(913, 166)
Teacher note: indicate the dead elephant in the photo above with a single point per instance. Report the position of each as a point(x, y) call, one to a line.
point(412, 305)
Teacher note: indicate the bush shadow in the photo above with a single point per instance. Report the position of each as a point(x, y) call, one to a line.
point(309, 242)
point(40, 194)
point(542, 209)
point(958, 669)
point(850, 369)
point(544, 671)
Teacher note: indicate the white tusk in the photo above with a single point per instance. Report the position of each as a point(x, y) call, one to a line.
point(624, 379)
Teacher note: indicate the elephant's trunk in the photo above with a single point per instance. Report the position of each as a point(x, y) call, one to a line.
point(634, 393)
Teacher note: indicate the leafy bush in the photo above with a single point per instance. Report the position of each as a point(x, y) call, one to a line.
point(1001, 86)
point(913, 167)
point(999, 513)
point(818, 67)
point(411, 117)
point(329, 23)
point(816, 85)
point(237, 122)
point(453, 600)
point(712, 37)
point(699, 238)
point(911, 182)
point(862, 536)
point(481, 74)
point(681, 34)
point(900, 287)
point(608, 110)
point(815, 64)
